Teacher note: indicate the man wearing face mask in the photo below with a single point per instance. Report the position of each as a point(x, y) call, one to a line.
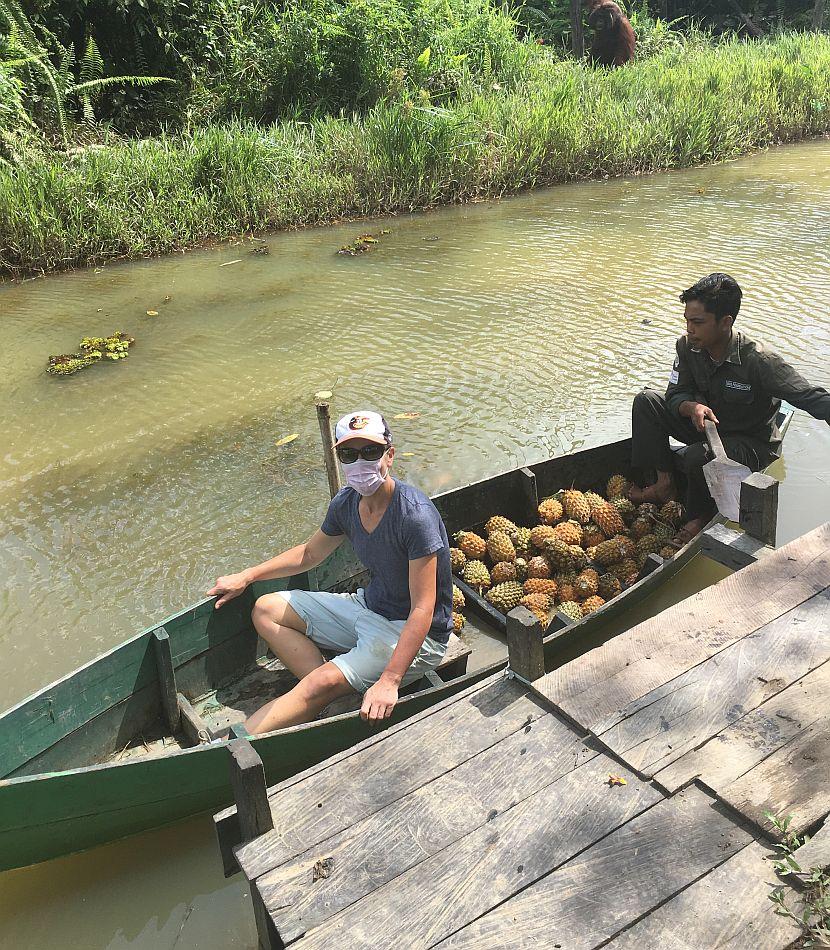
point(386, 636)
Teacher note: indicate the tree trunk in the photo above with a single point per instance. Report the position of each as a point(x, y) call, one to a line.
point(818, 15)
point(577, 36)
point(754, 31)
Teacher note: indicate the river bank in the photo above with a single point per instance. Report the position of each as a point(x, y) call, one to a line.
point(563, 121)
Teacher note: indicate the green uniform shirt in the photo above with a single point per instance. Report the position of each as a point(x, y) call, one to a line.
point(745, 390)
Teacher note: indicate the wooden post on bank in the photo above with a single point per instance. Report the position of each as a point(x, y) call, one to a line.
point(329, 456)
point(577, 35)
point(525, 645)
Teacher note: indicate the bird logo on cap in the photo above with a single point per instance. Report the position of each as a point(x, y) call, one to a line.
point(358, 422)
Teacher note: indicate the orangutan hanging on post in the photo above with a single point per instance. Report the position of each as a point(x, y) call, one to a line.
point(613, 41)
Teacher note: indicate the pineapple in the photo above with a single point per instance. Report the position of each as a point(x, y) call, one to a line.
point(521, 569)
point(477, 575)
point(626, 545)
point(672, 512)
point(540, 534)
point(457, 621)
point(648, 544)
point(579, 559)
point(500, 523)
point(500, 547)
point(609, 552)
point(558, 553)
point(473, 546)
point(647, 510)
point(625, 507)
point(503, 571)
point(568, 531)
point(575, 506)
point(609, 586)
point(609, 519)
point(538, 567)
point(625, 570)
point(458, 600)
point(587, 584)
point(640, 527)
point(540, 585)
point(550, 511)
point(506, 596)
point(522, 542)
point(593, 499)
point(571, 609)
point(458, 560)
point(591, 604)
point(667, 552)
point(542, 601)
point(663, 531)
point(592, 535)
point(617, 485)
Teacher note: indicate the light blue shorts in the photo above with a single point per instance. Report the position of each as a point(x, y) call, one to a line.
point(365, 641)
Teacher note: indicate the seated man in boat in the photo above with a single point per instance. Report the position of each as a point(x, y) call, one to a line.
point(386, 636)
point(722, 375)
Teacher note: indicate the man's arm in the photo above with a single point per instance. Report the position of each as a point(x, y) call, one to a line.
point(780, 380)
point(301, 558)
point(380, 699)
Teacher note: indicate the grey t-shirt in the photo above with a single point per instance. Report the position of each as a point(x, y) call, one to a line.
point(410, 528)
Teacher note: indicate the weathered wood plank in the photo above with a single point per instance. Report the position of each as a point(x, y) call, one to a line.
point(525, 645)
point(733, 549)
point(443, 893)
point(597, 685)
point(351, 733)
point(167, 678)
point(792, 781)
point(249, 789)
point(743, 744)
point(759, 507)
point(816, 852)
point(687, 711)
point(728, 907)
point(625, 875)
point(363, 783)
point(383, 846)
point(195, 729)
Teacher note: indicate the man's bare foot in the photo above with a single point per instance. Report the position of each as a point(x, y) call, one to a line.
point(689, 531)
point(657, 494)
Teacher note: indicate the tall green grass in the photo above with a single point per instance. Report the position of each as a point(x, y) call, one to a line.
point(562, 121)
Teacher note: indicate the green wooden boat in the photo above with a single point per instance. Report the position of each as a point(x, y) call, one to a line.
point(123, 744)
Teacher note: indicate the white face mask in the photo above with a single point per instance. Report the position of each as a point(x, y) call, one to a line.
point(364, 477)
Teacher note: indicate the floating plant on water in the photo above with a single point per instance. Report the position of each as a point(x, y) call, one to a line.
point(362, 244)
point(92, 349)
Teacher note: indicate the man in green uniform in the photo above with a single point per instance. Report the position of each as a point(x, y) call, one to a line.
point(722, 375)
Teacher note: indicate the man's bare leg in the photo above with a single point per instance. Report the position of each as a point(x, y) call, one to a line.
point(659, 493)
point(282, 628)
point(312, 694)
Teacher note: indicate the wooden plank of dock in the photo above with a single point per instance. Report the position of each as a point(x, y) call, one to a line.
point(527, 816)
point(593, 689)
point(729, 907)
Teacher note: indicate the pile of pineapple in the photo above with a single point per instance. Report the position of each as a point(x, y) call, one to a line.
point(585, 550)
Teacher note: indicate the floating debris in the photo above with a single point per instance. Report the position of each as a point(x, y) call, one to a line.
point(228, 263)
point(286, 439)
point(152, 313)
point(93, 349)
point(362, 244)
point(407, 415)
point(322, 869)
point(262, 249)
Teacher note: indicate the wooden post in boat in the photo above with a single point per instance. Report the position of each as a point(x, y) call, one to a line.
point(759, 507)
point(254, 813)
point(525, 646)
point(530, 495)
point(329, 456)
point(167, 678)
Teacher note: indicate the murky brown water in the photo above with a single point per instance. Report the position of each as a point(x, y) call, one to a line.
point(519, 330)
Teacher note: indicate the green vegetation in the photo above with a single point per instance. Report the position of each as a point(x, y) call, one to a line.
point(309, 111)
point(812, 912)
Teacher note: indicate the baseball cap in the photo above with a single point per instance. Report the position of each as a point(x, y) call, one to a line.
point(363, 425)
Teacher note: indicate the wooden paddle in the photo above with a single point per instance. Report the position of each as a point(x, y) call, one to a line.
point(723, 475)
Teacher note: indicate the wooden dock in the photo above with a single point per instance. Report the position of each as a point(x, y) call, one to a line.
point(619, 801)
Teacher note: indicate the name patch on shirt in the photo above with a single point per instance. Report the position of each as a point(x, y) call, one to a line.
point(736, 384)
point(674, 376)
